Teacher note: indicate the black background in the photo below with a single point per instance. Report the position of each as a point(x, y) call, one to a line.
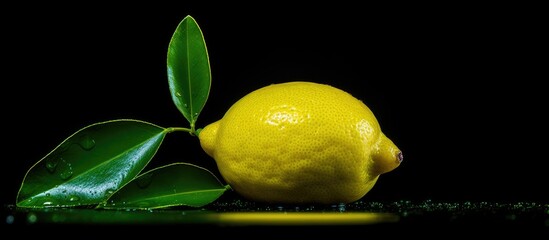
point(455, 87)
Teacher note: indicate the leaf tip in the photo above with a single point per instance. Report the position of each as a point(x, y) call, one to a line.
point(191, 18)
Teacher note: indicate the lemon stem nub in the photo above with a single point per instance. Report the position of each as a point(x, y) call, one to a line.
point(386, 156)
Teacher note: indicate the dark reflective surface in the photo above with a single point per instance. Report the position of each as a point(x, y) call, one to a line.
point(228, 217)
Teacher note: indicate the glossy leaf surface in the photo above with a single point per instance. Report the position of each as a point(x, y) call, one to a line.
point(90, 165)
point(189, 74)
point(177, 184)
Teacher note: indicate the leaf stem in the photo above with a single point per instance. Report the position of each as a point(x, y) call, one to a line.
point(181, 129)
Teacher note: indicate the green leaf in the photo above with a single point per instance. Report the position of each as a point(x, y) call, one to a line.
point(189, 74)
point(177, 184)
point(90, 165)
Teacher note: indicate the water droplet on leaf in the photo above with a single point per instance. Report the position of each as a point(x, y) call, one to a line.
point(86, 142)
point(110, 191)
point(74, 198)
point(65, 175)
point(65, 169)
point(51, 164)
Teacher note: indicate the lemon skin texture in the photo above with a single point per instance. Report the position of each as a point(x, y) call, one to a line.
point(300, 142)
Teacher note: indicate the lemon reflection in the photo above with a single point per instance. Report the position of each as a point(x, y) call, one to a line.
point(196, 217)
point(306, 218)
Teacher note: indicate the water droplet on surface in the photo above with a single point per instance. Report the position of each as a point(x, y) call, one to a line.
point(195, 114)
point(74, 198)
point(51, 164)
point(31, 218)
point(185, 105)
point(86, 142)
point(339, 207)
point(178, 94)
point(111, 203)
point(65, 175)
point(47, 194)
point(10, 219)
point(109, 191)
point(65, 169)
point(47, 203)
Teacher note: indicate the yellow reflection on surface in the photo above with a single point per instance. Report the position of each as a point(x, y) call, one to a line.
point(195, 217)
point(306, 218)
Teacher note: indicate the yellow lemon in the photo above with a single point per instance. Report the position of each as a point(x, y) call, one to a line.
point(300, 142)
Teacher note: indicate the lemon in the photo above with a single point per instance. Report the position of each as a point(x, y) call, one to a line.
point(300, 142)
